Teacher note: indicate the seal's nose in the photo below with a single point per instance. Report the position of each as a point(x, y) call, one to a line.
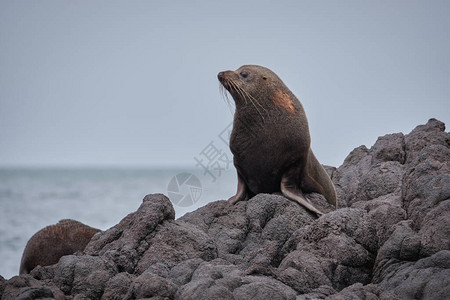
point(220, 76)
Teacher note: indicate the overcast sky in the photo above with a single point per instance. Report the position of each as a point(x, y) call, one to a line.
point(134, 83)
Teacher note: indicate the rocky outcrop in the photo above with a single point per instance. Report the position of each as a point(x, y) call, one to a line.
point(390, 239)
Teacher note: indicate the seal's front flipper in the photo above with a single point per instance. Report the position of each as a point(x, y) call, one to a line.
point(291, 191)
point(241, 191)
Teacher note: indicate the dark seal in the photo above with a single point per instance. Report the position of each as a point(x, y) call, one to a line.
point(48, 245)
point(270, 140)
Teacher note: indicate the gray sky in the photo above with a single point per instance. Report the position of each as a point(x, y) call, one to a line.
point(133, 83)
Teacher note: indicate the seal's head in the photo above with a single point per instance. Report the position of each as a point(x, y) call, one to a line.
point(256, 86)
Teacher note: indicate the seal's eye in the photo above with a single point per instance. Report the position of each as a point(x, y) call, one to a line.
point(243, 74)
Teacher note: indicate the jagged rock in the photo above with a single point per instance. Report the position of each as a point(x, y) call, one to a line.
point(219, 279)
point(27, 287)
point(2, 285)
point(390, 239)
point(149, 285)
point(426, 186)
point(427, 278)
point(117, 287)
point(85, 275)
point(321, 292)
point(360, 291)
point(390, 147)
point(432, 133)
point(251, 233)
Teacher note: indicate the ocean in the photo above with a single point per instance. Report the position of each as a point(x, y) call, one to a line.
point(32, 198)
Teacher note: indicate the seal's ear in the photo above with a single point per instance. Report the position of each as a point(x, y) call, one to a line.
point(264, 77)
point(283, 101)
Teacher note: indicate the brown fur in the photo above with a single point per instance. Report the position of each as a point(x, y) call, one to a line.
point(281, 99)
point(270, 140)
point(49, 244)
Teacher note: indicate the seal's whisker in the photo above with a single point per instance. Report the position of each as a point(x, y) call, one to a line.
point(251, 97)
point(246, 97)
point(224, 94)
point(238, 90)
point(253, 101)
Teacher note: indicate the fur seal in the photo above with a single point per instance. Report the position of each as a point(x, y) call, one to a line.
point(270, 140)
point(49, 244)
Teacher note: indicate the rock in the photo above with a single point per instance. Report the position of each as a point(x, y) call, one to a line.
point(319, 293)
point(219, 279)
point(117, 287)
point(432, 133)
point(126, 243)
point(303, 271)
point(335, 250)
point(85, 275)
point(427, 278)
point(26, 287)
point(263, 288)
point(389, 239)
point(402, 245)
point(359, 291)
point(390, 147)
point(2, 285)
point(381, 179)
point(435, 230)
point(348, 176)
point(149, 285)
point(426, 182)
point(251, 233)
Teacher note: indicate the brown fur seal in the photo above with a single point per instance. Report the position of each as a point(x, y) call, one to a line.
point(48, 245)
point(270, 140)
